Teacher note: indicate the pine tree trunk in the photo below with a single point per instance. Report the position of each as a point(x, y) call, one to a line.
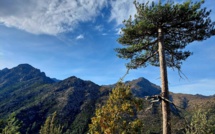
point(164, 84)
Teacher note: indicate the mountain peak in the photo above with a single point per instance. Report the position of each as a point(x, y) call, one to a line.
point(4, 69)
point(141, 79)
point(25, 66)
point(23, 73)
point(26, 69)
point(142, 87)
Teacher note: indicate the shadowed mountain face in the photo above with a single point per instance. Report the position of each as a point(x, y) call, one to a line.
point(142, 87)
point(19, 86)
point(70, 98)
point(22, 73)
point(33, 97)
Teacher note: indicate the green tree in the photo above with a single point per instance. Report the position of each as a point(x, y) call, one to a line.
point(118, 115)
point(12, 125)
point(50, 127)
point(200, 124)
point(2, 125)
point(158, 34)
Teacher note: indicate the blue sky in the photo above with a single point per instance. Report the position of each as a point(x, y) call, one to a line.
point(66, 38)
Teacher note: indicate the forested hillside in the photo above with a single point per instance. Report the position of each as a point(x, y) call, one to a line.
point(29, 99)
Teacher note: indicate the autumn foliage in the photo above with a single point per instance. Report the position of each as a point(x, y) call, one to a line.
point(118, 115)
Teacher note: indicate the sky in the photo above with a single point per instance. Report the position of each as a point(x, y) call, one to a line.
point(66, 38)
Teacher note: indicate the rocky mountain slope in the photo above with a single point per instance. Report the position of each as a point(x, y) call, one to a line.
point(33, 97)
point(141, 87)
point(19, 86)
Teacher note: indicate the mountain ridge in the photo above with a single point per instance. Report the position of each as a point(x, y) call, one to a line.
point(33, 96)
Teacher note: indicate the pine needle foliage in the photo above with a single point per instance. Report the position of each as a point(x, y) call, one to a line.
point(181, 24)
point(118, 115)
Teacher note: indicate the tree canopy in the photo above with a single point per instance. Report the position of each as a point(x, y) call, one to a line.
point(119, 114)
point(181, 24)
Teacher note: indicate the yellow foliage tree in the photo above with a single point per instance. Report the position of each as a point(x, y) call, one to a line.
point(12, 126)
point(118, 115)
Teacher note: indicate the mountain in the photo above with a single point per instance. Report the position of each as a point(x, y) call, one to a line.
point(71, 98)
point(190, 102)
point(19, 86)
point(22, 73)
point(33, 96)
point(141, 87)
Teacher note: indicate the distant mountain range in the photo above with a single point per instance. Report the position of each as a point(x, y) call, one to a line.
point(28, 92)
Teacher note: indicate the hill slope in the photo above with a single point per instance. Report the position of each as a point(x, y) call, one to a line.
point(33, 97)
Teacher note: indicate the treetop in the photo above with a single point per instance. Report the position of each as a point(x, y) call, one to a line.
point(181, 24)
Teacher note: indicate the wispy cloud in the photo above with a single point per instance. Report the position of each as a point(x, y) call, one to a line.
point(99, 27)
point(81, 36)
point(57, 16)
point(119, 31)
point(122, 9)
point(204, 87)
point(104, 34)
point(48, 16)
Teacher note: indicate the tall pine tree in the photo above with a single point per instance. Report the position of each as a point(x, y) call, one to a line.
point(158, 34)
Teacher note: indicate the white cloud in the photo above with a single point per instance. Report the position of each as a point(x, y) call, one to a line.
point(119, 31)
point(122, 9)
point(48, 16)
point(81, 36)
point(99, 27)
point(104, 34)
point(204, 87)
point(56, 16)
